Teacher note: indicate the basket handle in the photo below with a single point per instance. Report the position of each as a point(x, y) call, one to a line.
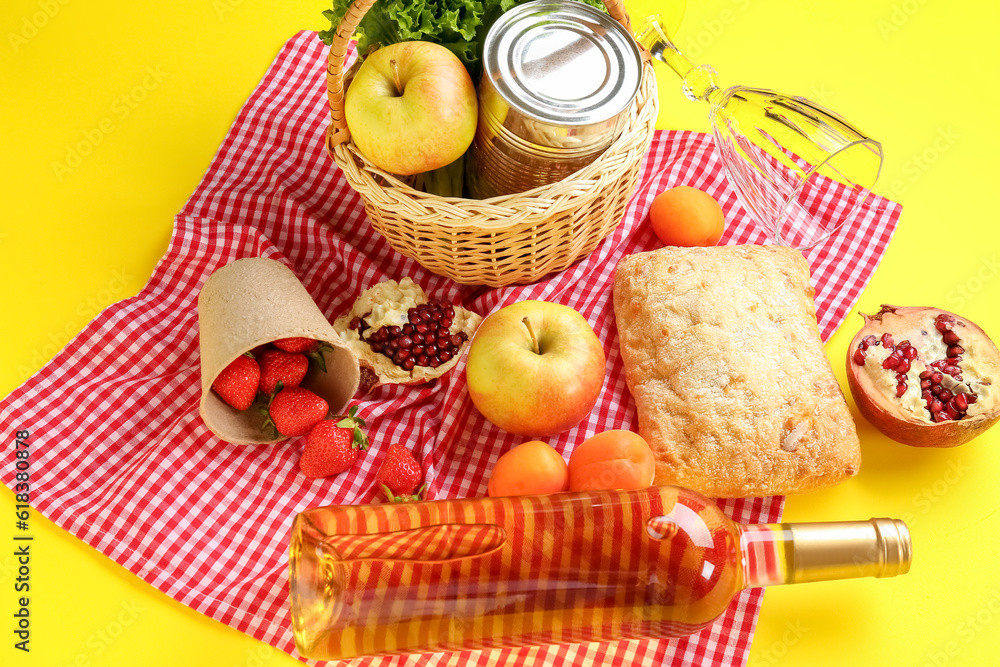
point(338, 132)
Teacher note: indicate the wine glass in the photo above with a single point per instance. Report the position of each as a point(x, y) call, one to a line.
point(799, 169)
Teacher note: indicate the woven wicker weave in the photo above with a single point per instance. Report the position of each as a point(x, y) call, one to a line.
point(512, 239)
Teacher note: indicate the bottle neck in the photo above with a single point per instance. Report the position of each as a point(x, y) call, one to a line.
point(787, 553)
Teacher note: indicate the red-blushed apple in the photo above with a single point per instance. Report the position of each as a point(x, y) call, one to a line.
point(535, 368)
point(412, 108)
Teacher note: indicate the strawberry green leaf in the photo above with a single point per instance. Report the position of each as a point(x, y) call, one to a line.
point(404, 498)
point(318, 357)
point(352, 421)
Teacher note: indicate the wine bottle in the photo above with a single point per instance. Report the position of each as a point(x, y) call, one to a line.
point(454, 575)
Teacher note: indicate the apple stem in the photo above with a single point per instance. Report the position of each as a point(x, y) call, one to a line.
point(531, 332)
point(395, 77)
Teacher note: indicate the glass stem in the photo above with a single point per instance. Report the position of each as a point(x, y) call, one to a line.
point(700, 82)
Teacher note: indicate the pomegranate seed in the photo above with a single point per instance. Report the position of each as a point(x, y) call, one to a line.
point(951, 338)
point(890, 362)
point(926, 375)
point(955, 350)
point(903, 366)
point(445, 355)
point(925, 384)
point(910, 352)
point(951, 411)
point(927, 395)
point(943, 323)
point(868, 341)
point(900, 389)
point(944, 396)
point(887, 340)
point(961, 402)
point(941, 417)
point(972, 398)
point(936, 389)
point(936, 406)
point(936, 378)
point(355, 323)
point(424, 336)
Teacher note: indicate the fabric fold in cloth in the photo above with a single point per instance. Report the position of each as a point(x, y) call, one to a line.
point(127, 465)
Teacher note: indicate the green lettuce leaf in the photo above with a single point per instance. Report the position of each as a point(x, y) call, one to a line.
point(459, 25)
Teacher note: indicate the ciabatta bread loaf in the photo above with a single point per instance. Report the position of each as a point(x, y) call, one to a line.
point(733, 389)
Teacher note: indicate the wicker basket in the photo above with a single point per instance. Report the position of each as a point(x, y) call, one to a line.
point(512, 239)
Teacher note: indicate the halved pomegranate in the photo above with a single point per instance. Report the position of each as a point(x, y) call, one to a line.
point(924, 377)
point(400, 336)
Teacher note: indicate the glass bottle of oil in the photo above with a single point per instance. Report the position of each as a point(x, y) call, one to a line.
point(454, 575)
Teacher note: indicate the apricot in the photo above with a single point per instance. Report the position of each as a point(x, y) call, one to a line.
point(687, 216)
point(615, 459)
point(531, 468)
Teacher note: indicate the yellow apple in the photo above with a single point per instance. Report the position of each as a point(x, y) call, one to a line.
point(412, 108)
point(535, 368)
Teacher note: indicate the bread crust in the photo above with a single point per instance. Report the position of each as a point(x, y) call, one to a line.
point(724, 359)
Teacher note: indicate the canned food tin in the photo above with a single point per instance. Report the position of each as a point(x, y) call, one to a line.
point(557, 79)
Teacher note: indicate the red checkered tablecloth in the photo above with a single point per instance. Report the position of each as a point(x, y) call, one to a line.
point(127, 465)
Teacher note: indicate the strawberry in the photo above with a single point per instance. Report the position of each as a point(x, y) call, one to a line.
point(281, 369)
point(333, 445)
point(312, 348)
point(296, 344)
point(237, 383)
point(400, 474)
point(295, 410)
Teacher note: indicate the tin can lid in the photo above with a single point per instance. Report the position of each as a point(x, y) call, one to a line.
point(562, 62)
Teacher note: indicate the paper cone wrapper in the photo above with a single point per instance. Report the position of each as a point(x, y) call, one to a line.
point(249, 303)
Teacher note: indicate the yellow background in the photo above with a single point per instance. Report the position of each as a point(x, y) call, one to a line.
point(155, 86)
